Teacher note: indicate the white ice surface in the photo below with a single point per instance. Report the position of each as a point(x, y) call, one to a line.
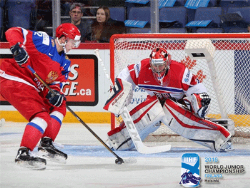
point(91, 165)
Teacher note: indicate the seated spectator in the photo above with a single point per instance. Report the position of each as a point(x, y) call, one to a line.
point(104, 27)
point(76, 13)
point(248, 28)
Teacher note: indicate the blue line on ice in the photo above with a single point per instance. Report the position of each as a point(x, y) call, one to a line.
point(175, 152)
point(8, 133)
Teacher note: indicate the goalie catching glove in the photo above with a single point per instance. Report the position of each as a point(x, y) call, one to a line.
point(121, 96)
point(198, 103)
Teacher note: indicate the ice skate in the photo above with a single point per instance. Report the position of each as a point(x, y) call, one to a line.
point(227, 146)
point(24, 159)
point(47, 149)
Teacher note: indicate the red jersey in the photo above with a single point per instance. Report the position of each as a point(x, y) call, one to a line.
point(51, 66)
point(177, 82)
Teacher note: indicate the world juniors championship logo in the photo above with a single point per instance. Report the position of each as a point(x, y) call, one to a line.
point(190, 170)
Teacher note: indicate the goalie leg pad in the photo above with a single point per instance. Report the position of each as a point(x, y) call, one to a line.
point(227, 123)
point(146, 117)
point(186, 124)
point(119, 139)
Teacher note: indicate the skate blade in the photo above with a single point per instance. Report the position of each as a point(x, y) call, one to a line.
point(54, 158)
point(34, 165)
point(227, 149)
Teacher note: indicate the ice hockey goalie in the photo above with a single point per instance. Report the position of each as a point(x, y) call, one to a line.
point(175, 98)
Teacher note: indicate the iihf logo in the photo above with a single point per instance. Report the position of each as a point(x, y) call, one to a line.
point(190, 170)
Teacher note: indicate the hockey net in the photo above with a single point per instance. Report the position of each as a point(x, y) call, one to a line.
point(231, 67)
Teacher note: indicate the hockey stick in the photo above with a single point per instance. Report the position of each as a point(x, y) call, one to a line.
point(119, 160)
point(141, 148)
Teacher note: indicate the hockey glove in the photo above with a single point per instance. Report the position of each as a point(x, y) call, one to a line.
point(20, 54)
point(121, 96)
point(200, 103)
point(55, 98)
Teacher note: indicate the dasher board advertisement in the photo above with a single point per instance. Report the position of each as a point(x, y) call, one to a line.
point(81, 88)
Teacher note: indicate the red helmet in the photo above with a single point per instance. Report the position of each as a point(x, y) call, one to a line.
point(69, 31)
point(159, 62)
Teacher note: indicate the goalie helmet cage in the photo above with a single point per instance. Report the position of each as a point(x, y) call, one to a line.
point(231, 68)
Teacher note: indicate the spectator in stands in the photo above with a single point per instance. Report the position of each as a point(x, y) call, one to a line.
point(248, 28)
point(76, 13)
point(104, 27)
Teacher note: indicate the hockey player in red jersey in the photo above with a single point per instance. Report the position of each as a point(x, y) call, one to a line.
point(175, 98)
point(43, 110)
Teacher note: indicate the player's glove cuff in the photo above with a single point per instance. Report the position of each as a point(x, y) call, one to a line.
point(20, 54)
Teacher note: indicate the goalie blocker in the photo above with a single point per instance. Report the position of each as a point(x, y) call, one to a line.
point(147, 115)
point(121, 95)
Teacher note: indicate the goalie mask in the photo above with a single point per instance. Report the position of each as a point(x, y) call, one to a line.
point(71, 32)
point(159, 62)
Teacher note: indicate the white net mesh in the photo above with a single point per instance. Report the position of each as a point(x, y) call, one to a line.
point(231, 61)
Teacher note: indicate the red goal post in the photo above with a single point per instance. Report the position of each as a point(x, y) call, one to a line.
point(231, 63)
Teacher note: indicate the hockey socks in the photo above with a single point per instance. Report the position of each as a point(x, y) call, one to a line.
point(33, 132)
point(54, 126)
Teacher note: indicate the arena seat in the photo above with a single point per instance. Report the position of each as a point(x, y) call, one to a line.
point(139, 30)
point(179, 3)
point(238, 30)
point(19, 12)
point(209, 30)
point(244, 11)
point(140, 13)
point(173, 30)
point(118, 13)
point(209, 13)
point(212, 3)
point(234, 3)
point(174, 14)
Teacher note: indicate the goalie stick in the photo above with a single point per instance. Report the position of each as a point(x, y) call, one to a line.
point(119, 160)
point(140, 147)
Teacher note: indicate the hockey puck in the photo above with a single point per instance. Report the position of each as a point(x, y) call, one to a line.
point(119, 161)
